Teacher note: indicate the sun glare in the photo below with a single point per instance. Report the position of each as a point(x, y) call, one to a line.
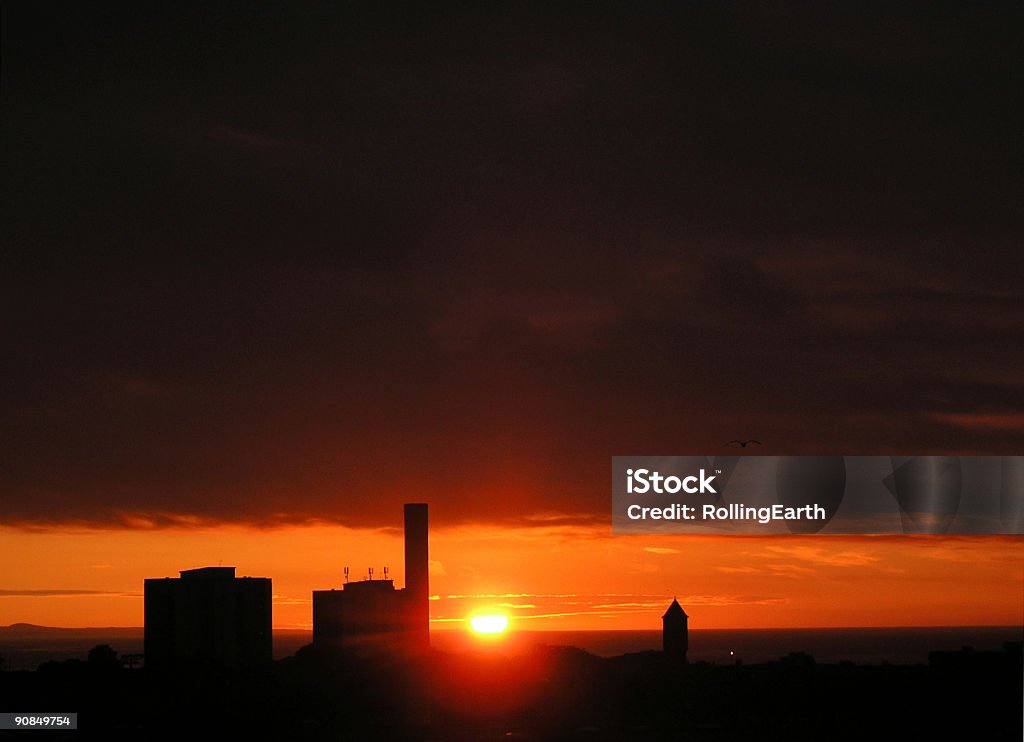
point(493, 624)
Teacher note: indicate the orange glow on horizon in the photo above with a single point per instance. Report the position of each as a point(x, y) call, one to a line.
point(542, 578)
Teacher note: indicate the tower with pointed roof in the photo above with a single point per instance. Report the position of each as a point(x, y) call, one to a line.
point(675, 631)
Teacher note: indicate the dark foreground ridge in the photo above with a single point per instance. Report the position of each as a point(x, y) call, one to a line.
point(551, 693)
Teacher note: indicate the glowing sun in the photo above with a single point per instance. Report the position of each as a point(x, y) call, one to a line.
point(489, 624)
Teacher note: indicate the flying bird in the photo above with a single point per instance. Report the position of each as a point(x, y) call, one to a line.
point(743, 444)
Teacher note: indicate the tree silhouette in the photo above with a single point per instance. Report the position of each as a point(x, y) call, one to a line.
point(103, 655)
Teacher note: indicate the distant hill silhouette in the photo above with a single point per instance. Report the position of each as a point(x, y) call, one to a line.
point(31, 631)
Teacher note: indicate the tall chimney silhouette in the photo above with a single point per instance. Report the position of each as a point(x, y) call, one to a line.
point(417, 572)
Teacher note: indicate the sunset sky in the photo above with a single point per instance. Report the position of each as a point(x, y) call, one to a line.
point(543, 578)
point(267, 276)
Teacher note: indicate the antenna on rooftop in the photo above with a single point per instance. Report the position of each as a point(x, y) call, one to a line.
point(346, 575)
point(371, 573)
point(385, 573)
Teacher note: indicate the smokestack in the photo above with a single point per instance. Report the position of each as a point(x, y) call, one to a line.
point(417, 571)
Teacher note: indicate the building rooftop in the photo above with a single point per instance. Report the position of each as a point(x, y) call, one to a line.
point(675, 610)
point(208, 573)
point(370, 585)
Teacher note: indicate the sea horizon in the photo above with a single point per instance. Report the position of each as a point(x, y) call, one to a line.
point(26, 646)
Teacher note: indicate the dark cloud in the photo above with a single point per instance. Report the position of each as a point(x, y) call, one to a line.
point(277, 268)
